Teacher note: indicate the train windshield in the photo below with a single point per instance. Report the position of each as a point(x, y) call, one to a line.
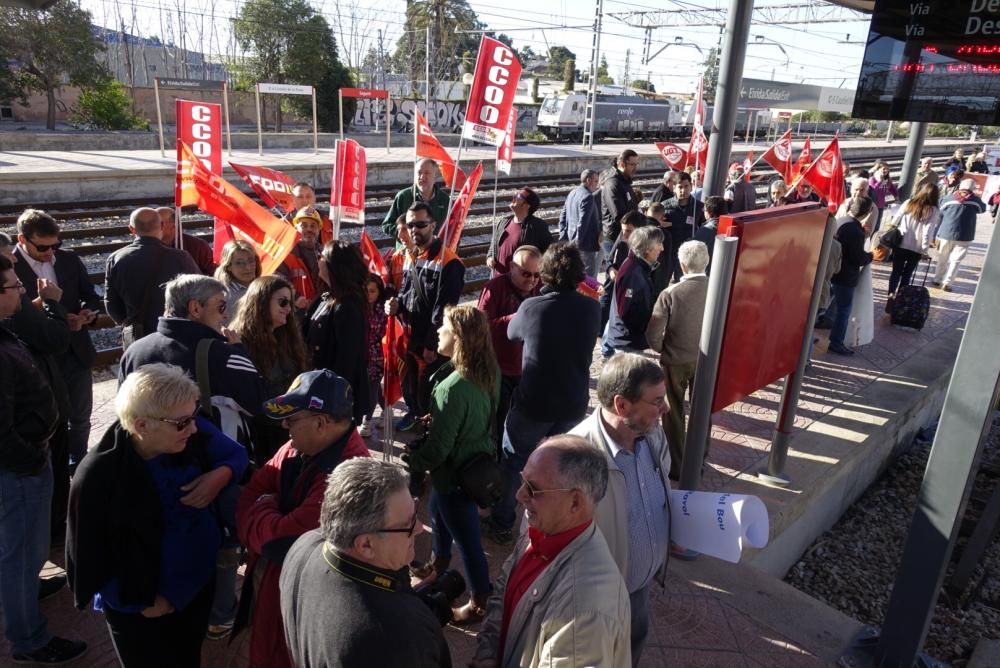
point(551, 104)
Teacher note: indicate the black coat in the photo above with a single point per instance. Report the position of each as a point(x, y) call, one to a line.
point(28, 412)
point(617, 199)
point(336, 337)
point(45, 332)
point(851, 236)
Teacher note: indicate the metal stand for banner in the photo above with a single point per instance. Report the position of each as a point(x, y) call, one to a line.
point(159, 114)
point(225, 114)
point(260, 135)
point(340, 108)
point(315, 125)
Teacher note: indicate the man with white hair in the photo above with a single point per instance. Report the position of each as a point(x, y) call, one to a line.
point(633, 296)
point(925, 174)
point(665, 191)
point(956, 231)
point(740, 194)
point(580, 220)
point(425, 190)
point(859, 190)
point(674, 332)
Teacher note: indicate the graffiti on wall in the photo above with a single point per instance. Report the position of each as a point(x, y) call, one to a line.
point(444, 116)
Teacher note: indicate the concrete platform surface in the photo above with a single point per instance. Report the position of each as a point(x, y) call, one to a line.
point(854, 413)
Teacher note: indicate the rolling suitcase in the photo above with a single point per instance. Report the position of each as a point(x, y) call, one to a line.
point(912, 304)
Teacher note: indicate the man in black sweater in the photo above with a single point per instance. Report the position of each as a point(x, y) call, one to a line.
point(851, 236)
point(558, 329)
point(344, 585)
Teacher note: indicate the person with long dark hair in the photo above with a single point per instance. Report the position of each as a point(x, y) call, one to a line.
point(336, 326)
point(917, 221)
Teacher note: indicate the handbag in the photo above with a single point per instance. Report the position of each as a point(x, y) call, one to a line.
point(891, 238)
point(481, 479)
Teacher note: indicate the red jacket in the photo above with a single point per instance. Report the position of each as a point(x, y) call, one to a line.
point(263, 528)
point(500, 301)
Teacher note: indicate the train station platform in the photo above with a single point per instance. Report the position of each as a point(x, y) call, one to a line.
point(854, 415)
point(37, 177)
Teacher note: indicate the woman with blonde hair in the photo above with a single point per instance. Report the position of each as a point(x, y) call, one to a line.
point(463, 400)
point(917, 222)
point(238, 266)
point(266, 325)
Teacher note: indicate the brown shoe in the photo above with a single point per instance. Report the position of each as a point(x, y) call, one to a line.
point(468, 614)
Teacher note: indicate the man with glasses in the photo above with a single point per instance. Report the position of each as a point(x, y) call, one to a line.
point(39, 257)
point(345, 593)
point(635, 514)
point(617, 198)
point(28, 418)
point(521, 228)
point(501, 298)
point(282, 501)
point(560, 599)
point(433, 277)
point(135, 274)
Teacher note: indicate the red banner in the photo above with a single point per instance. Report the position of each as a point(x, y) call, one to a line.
point(347, 185)
point(199, 125)
point(747, 166)
point(374, 259)
point(697, 152)
point(827, 175)
point(272, 237)
point(394, 349)
point(274, 188)
point(492, 94)
point(426, 145)
point(801, 165)
point(375, 93)
point(673, 155)
point(505, 152)
point(300, 277)
point(451, 232)
point(779, 156)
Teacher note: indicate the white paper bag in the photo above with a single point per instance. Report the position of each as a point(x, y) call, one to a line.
point(861, 327)
point(718, 524)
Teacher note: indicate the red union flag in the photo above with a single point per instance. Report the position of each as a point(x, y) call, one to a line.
point(827, 175)
point(273, 239)
point(492, 92)
point(373, 259)
point(199, 125)
point(801, 165)
point(273, 187)
point(505, 152)
point(347, 185)
point(747, 166)
point(394, 347)
point(779, 156)
point(426, 145)
point(673, 155)
point(697, 152)
point(451, 232)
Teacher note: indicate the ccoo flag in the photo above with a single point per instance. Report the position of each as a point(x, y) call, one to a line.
point(505, 151)
point(373, 259)
point(492, 93)
point(273, 187)
point(451, 232)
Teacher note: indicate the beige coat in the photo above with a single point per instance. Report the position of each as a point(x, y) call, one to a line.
point(612, 511)
point(576, 612)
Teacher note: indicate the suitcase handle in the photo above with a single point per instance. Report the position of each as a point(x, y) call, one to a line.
point(923, 283)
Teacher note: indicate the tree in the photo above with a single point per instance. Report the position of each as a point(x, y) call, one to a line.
point(569, 75)
point(711, 75)
point(526, 55)
point(288, 42)
point(106, 105)
point(602, 72)
point(48, 48)
point(558, 55)
point(642, 84)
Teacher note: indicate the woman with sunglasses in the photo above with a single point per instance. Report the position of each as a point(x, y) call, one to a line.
point(238, 267)
point(268, 330)
point(463, 401)
point(336, 327)
point(142, 537)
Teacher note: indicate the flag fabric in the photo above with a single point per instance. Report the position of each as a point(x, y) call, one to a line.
point(491, 95)
point(299, 276)
point(394, 346)
point(697, 152)
point(273, 187)
point(373, 259)
point(505, 151)
point(747, 166)
point(426, 145)
point(826, 175)
point(801, 165)
point(779, 156)
point(673, 156)
point(451, 232)
point(199, 126)
point(347, 184)
point(272, 237)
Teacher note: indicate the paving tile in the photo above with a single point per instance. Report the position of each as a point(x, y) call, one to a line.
point(691, 622)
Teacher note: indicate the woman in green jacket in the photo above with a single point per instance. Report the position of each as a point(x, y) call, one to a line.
point(463, 401)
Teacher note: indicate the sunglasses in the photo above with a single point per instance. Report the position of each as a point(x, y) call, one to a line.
point(283, 302)
point(417, 224)
point(530, 274)
point(182, 423)
point(532, 492)
point(407, 530)
point(41, 248)
point(17, 286)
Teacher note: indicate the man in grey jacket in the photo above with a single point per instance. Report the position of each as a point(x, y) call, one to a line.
point(634, 515)
point(560, 599)
point(580, 221)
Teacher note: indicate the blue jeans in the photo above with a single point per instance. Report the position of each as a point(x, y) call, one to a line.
point(844, 297)
point(639, 602)
point(79, 380)
point(591, 262)
point(455, 517)
point(521, 436)
point(606, 246)
point(25, 505)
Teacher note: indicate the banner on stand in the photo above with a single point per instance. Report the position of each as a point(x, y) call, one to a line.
point(492, 94)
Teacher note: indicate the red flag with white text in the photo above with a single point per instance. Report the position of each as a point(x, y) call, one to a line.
point(673, 156)
point(826, 175)
point(273, 187)
point(373, 258)
point(494, 85)
point(199, 125)
point(505, 152)
point(272, 237)
point(347, 184)
point(451, 232)
point(697, 152)
point(779, 156)
point(801, 165)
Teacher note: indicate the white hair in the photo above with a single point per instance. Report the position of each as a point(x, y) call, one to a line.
point(693, 256)
point(151, 391)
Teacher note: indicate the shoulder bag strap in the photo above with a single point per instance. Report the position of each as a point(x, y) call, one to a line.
point(202, 376)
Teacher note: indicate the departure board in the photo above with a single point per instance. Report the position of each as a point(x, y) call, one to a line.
point(935, 61)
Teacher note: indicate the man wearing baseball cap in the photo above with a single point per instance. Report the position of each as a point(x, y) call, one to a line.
point(282, 501)
point(956, 231)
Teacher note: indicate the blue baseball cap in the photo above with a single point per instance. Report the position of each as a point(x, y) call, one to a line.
point(320, 391)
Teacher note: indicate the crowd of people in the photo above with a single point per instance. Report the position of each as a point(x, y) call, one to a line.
point(245, 401)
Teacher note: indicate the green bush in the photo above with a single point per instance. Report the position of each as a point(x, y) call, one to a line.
point(106, 106)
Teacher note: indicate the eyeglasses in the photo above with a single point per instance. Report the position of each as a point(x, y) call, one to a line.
point(41, 248)
point(407, 530)
point(532, 492)
point(181, 424)
point(17, 286)
point(659, 402)
point(222, 306)
point(417, 224)
point(283, 302)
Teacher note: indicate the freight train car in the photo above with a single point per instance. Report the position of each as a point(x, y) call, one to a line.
point(617, 116)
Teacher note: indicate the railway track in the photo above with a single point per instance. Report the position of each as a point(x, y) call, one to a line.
point(98, 228)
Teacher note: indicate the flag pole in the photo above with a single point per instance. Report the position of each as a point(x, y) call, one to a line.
point(454, 180)
point(496, 178)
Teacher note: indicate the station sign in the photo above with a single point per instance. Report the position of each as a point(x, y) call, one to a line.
point(190, 84)
point(933, 61)
point(762, 94)
point(284, 89)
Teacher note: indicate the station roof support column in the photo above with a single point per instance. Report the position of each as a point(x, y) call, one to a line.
point(727, 94)
point(914, 146)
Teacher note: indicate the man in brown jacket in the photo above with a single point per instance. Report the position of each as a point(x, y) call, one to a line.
point(674, 331)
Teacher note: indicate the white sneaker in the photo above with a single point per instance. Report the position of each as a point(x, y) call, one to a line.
point(366, 428)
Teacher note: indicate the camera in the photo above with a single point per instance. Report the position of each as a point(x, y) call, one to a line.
point(441, 593)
